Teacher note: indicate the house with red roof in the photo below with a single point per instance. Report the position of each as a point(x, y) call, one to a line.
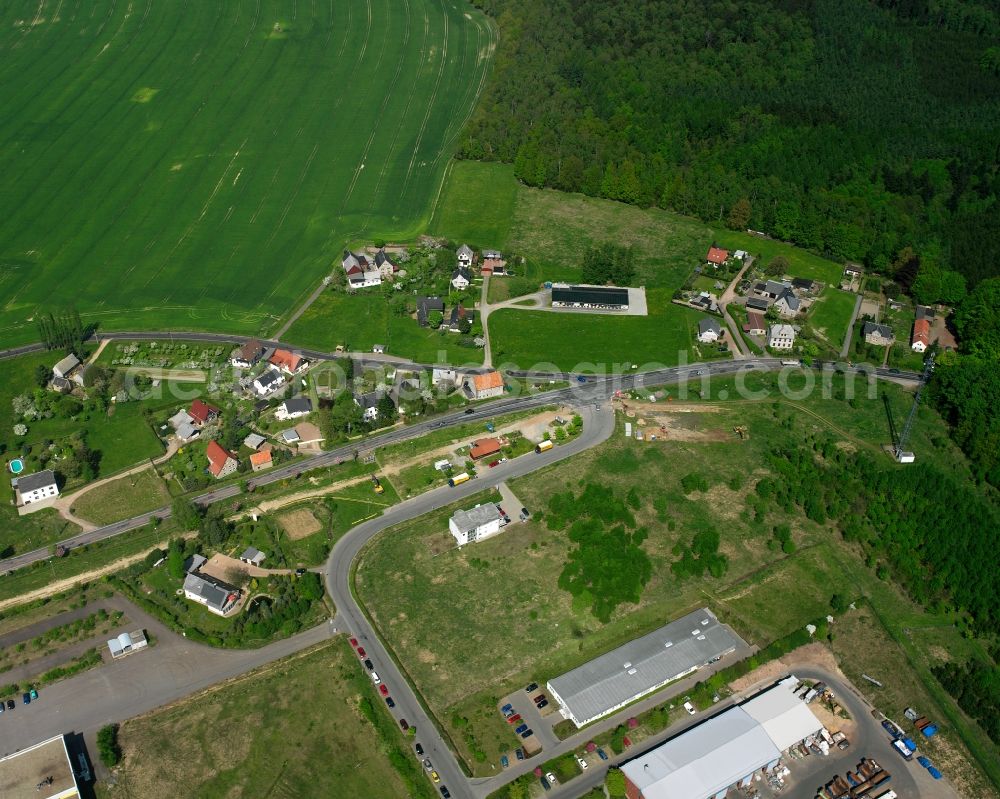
point(220, 463)
point(261, 460)
point(360, 271)
point(484, 386)
point(484, 447)
point(921, 339)
point(288, 361)
point(202, 412)
point(717, 256)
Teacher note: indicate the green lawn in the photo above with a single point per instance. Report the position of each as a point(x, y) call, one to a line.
point(293, 730)
point(476, 205)
point(123, 498)
point(802, 263)
point(830, 315)
point(216, 194)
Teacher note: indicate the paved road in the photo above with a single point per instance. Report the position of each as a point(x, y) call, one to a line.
point(597, 427)
point(850, 328)
point(741, 351)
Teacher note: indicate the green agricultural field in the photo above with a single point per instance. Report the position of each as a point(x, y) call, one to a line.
point(294, 739)
point(493, 616)
point(830, 315)
point(476, 205)
point(177, 167)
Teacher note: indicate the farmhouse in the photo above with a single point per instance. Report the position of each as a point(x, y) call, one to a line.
point(483, 448)
point(465, 255)
point(921, 338)
point(727, 750)
point(603, 297)
point(360, 272)
point(247, 355)
point(717, 256)
point(879, 335)
point(260, 461)
point(66, 366)
point(288, 361)
point(476, 524)
point(484, 386)
point(709, 330)
point(385, 265)
point(493, 263)
point(268, 381)
point(218, 596)
point(293, 408)
point(37, 487)
point(252, 556)
point(755, 324)
point(220, 463)
point(641, 666)
point(461, 278)
point(41, 771)
point(202, 412)
point(427, 305)
point(781, 337)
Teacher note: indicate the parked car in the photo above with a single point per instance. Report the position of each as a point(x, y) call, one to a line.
point(369, 665)
point(390, 702)
point(582, 762)
point(2, 707)
point(504, 762)
point(545, 783)
point(419, 749)
point(445, 793)
point(427, 765)
point(26, 698)
point(508, 708)
point(690, 708)
point(10, 704)
point(435, 776)
point(543, 703)
point(520, 728)
point(494, 463)
point(514, 719)
point(383, 689)
point(375, 678)
point(526, 514)
point(550, 777)
point(519, 753)
point(539, 698)
point(532, 687)
point(354, 642)
point(527, 732)
point(299, 572)
point(602, 754)
point(404, 725)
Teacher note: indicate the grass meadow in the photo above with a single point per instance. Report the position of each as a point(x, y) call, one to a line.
point(201, 167)
point(476, 205)
point(831, 314)
point(493, 616)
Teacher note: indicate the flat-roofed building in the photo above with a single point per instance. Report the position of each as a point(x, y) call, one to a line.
point(631, 671)
point(583, 296)
point(42, 771)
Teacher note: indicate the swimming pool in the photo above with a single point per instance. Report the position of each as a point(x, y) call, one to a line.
point(16, 466)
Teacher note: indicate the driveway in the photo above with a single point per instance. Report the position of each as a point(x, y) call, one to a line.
point(846, 348)
point(741, 350)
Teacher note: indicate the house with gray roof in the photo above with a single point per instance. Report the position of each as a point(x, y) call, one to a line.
point(879, 335)
point(252, 556)
point(37, 487)
point(66, 366)
point(253, 441)
point(465, 255)
point(461, 277)
point(218, 596)
point(425, 305)
point(294, 408)
point(476, 524)
point(709, 330)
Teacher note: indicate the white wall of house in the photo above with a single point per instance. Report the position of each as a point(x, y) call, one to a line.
point(38, 494)
point(477, 534)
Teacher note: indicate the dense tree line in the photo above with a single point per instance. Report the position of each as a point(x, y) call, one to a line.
point(608, 263)
point(976, 687)
point(858, 130)
point(62, 331)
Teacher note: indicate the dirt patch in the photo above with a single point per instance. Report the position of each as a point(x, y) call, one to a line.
point(299, 523)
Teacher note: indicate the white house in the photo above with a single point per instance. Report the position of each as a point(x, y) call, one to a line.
point(36, 487)
point(439, 376)
point(921, 339)
point(219, 597)
point(476, 524)
point(787, 303)
point(360, 272)
point(385, 265)
point(709, 330)
point(247, 355)
point(294, 408)
point(268, 381)
point(465, 255)
point(781, 337)
point(461, 278)
point(369, 404)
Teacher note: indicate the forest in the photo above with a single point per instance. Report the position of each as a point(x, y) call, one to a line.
point(866, 131)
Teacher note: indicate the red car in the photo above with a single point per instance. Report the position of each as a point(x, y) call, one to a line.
point(514, 719)
point(382, 689)
point(361, 651)
point(354, 642)
point(495, 463)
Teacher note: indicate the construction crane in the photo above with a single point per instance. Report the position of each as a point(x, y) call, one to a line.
point(901, 454)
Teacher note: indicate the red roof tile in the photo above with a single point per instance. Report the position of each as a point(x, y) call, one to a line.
point(922, 332)
point(201, 411)
point(716, 255)
point(484, 447)
point(217, 457)
point(286, 360)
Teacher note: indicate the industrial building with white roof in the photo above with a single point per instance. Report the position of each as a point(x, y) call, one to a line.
point(631, 671)
point(704, 762)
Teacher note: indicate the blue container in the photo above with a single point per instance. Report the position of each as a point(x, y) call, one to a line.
point(934, 772)
point(923, 761)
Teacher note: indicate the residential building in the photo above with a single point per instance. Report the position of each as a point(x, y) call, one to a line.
point(461, 277)
point(202, 413)
point(493, 255)
point(248, 354)
point(755, 325)
point(476, 524)
point(66, 366)
point(220, 463)
point(772, 289)
point(726, 751)
point(803, 284)
point(619, 677)
point(126, 643)
point(268, 381)
point(425, 306)
point(378, 349)
point(37, 487)
point(787, 303)
point(709, 330)
point(739, 255)
point(613, 298)
point(289, 362)
point(921, 339)
point(385, 265)
point(290, 436)
point(439, 376)
point(180, 418)
point(187, 432)
point(294, 408)
point(484, 386)
point(458, 313)
point(852, 270)
point(781, 337)
point(706, 301)
point(717, 256)
point(41, 771)
point(360, 272)
point(493, 263)
point(260, 461)
point(253, 441)
point(757, 304)
point(61, 384)
point(465, 255)
point(252, 556)
point(217, 595)
point(484, 447)
point(879, 335)
point(369, 404)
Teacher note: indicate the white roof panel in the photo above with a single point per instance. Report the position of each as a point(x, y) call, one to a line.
point(785, 717)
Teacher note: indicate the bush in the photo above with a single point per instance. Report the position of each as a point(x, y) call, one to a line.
point(694, 482)
point(108, 747)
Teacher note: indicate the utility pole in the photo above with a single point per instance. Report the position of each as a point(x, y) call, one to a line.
point(902, 456)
